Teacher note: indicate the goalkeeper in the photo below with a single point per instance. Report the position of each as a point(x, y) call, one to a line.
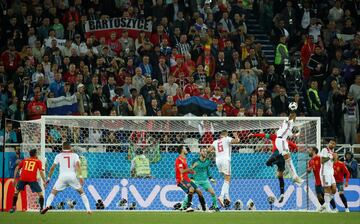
point(203, 178)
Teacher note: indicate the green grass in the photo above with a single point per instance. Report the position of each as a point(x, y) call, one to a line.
point(178, 217)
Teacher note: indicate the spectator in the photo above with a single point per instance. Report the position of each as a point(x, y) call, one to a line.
point(139, 107)
point(140, 165)
point(167, 108)
point(351, 119)
point(281, 102)
point(351, 164)
point(100, 102)
point(248, 77)
point(170, 87)
point(314, 99)
point(10, 134)
point(84, 100)
point(281, 54)
point(36, 107)
point(318, 65)
point(138, 80)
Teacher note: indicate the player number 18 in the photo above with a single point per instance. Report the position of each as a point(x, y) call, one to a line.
point(29, 165)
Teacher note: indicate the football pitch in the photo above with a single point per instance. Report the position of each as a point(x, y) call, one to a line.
point(180, 218)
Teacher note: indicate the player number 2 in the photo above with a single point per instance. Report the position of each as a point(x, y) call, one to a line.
point(29, 165)
point(220, 147)
point(68, 160)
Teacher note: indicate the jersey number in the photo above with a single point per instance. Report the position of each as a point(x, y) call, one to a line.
point(220, 147)
point(29, 165)
point(68, 160)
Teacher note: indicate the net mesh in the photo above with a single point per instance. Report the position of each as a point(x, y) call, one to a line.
point(108, 148)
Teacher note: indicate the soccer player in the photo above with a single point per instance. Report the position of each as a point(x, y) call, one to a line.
point(222, 148)
point(29, 168)
point(282, 145)
point(277, 159)
point(340, 171)
point(69, 163)
point(183, 181)
point(327, 173)
point(315, 165)
point(203, 178)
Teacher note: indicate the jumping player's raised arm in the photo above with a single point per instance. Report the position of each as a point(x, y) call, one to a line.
point(236, 139)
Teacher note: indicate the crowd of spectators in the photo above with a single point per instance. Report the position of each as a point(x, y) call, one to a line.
point(197, 48)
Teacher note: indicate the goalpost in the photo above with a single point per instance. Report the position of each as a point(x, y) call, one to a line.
point(108, 145)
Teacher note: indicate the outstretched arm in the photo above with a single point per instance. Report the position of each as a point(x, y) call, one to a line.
point(236, 138)
point(52, 169)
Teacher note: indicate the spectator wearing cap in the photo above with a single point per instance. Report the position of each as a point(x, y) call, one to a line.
point(57, 86)
point(100, 102)
point(83, 100)
point(138, 80)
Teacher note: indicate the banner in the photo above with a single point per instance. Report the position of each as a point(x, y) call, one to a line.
point(9, 189)
point(162, 194)
point(105, 27)
point(62, 105)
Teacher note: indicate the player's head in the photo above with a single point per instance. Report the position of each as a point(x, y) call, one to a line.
point(66, 146)
point(292, 114)
point(203, 152)
point(332, 143)
point(33, 153)
point(182, 149)
point(335, 156)
point(224, 133)
point(313, 151)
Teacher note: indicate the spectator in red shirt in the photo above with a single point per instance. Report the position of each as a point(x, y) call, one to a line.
point(217, 97)
point(10, 58)
point(29, 168)
point(340, 171)
point(114, 43)
point(156, 38)
point(183, 181)
point(36, 107)
point(228, 107)
point(219, 81)
point(208, 61)
point(70, 76)
point(191, 88)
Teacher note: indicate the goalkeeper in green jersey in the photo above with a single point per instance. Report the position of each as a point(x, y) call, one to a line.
point(203, 178)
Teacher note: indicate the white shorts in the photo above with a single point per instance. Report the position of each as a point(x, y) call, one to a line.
point(327, 180)
point(282, 146)
point(67, 181)
point(224, 166)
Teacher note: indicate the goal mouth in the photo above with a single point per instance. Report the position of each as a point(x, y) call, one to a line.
point(109, 146)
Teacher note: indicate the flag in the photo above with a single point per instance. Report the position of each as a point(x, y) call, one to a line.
point(196, 105)
point(62, 105)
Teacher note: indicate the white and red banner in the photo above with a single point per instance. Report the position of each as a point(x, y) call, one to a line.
point(102, 28)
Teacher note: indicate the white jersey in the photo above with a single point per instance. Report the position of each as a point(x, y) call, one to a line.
point(327, 168)
point(285, 129)
point(223, 148)
point(67, 162)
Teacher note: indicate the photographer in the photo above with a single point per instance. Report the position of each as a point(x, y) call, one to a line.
point(351, 120)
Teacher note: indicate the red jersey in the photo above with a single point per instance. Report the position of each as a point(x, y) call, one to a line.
point(315, 165)
point(339, 171)
point(29, 168)
point(180, 163)
point(272, 137)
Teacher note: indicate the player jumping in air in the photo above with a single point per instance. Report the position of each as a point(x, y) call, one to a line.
point(327, 173)
point(203, 178)
point(29, 168)
point(282, 145)
point(183, 181)
point(222, 148)
point(340, 171)
point(277, 159)
point(69, 163)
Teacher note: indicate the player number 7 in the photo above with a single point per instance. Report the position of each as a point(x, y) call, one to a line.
point(68, 160)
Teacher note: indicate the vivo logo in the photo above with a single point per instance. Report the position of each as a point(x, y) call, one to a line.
point(141, 200)
point(299, 191)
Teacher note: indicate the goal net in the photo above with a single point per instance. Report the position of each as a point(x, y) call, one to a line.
point(109, 147)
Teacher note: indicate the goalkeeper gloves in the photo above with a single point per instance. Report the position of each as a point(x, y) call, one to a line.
point(213, 181)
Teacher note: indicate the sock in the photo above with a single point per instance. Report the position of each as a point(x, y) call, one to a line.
point(223, 189)
point(321, 199)
point(190, 195)
point(291, 167)
point(14, 200)
point(184, 202)
point(50, 200)
point(344, 201)
point(214, 200)
point(327, 201)
point(41, 202)
point(202, 202)
point(226, 185)
point(86, 202)
point(281, 184)
point(332, 203)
